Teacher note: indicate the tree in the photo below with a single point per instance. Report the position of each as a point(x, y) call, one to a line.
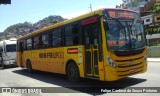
point(156, 8)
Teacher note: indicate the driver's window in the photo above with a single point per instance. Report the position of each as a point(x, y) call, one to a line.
point(114, 31)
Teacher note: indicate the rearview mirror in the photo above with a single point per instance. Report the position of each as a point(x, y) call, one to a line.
point(106, 27)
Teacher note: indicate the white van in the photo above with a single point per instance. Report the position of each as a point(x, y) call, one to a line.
point(8, 52)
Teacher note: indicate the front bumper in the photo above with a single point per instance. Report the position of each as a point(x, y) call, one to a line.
point(9, 62)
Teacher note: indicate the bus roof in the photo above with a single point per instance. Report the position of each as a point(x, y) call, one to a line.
point(8, 42)
point(62, 23)
point(119, 9)
point(99, 11)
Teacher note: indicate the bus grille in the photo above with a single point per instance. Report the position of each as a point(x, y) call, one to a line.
point(130, 66)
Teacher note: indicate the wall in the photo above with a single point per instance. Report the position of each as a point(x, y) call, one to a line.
point(154, 51)
point(147, 19)
point(157, 18)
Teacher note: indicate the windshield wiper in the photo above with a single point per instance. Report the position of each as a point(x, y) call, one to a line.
point(115, 19)
point(128, 43)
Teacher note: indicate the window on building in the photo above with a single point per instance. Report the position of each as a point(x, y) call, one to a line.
point(148, 20)
point(158, 18)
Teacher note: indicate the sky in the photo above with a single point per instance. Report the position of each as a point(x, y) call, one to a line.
point(32, 11)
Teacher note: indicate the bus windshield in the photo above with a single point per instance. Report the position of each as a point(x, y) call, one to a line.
point(11, 48)
point(124, 34)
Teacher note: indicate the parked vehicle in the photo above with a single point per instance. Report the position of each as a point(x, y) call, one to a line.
point(8, 52)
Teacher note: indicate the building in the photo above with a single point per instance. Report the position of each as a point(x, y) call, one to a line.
point(135, 5)
point(151, 21)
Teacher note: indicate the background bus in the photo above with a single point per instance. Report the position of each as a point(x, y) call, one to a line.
point(8, 52)
point(106, 44)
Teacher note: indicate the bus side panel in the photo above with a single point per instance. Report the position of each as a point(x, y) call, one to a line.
point(27, 55)
point(39, 59)
point(42, 60)
point(19, 58)
point(77, 57)
point(36, 64)
point(49, 60)
point(55, 60)
point(101, 65)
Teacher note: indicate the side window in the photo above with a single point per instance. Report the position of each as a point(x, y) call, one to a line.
point(68, 36)
point(56, 38)
point(45, 40)
point(25, 44)
point(71, 35)
point(91, 29)
point(29, 43)
point(75, 34)
point(20, 45)
point(36, 42)
point(95, 34)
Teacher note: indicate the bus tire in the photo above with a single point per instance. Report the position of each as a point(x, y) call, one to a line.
point(3, 65)
point(72, 72)
point(29, 66)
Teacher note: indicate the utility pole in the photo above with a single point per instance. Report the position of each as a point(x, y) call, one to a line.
point(90, 7)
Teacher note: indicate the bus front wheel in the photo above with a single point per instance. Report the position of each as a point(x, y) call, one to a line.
point(72, 72)
point(2, 63)
point(29, 66)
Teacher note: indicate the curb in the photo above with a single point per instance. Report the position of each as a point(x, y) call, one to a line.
point(153, 59)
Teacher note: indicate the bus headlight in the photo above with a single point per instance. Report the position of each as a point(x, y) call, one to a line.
point(110, 62)
point(145, 58)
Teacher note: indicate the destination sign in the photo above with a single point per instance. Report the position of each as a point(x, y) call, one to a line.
point(122, 14)
point(119, 14)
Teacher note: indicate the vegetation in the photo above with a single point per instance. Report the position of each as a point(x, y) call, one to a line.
point(17, 26)
point(19, 29)
point(156, 8)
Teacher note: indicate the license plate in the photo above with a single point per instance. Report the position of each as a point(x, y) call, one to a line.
point(132, 70)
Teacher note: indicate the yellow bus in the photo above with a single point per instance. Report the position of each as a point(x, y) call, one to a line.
point(106, 44)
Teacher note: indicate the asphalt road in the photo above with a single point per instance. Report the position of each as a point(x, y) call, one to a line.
point(18, 77)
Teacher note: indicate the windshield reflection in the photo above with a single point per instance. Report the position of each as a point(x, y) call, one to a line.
point(124, 34)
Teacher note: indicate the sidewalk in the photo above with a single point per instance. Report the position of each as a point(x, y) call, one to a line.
point(153, 59)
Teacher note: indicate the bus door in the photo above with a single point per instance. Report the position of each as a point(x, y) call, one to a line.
point(91, 49)
point(20, 54)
